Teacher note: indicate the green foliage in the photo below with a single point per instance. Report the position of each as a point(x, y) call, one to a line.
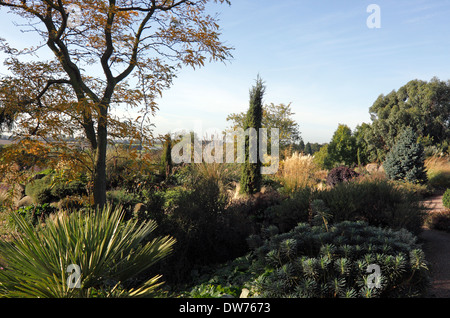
point(122, 197)
point(280, 116)
point(109, 251)
point(49, 189)
point(275, 116)
point(153, 206)
point(127, 200)
point(65, 189)
point(366, 152)
point(320, 214)
point(308, 148)
point(251, 172)
point(217, 280)
point(378, 202)
point(439, 179)
point(446, 198)
point(125, 170)
point(419, 104)
point(197, 215)
point(316, 262)
point(342, 149)
point(406, 159)
point(291, 211)
point(41, 190)
point(311, 262)
point(439, 220)
point(34, 214)
point(322, 159)
point(167, 156)
point(213, 291)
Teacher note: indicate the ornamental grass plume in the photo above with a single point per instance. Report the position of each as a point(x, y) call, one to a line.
point(298, 171)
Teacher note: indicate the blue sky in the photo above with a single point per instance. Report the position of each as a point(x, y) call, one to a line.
point(318, 55)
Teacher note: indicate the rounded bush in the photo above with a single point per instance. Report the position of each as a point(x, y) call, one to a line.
point(65, 189)
point(312, 262)
point(446, 199)
point(40, 190)
point(346, 260)
point(340, 174)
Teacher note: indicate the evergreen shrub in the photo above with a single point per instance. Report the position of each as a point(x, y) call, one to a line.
point(47, 190)
point(446, 199)
point(34, 214)
point(406, 159)
point(126, 200)
point(439, 220)
point(334, 262)
point(206, 229)
point(312, 262)
point(40, 190)
point(64, 189)
point(340, 174)
point(251, 172)
point(377, 202)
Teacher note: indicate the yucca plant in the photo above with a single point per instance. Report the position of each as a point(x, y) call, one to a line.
point(108, 251)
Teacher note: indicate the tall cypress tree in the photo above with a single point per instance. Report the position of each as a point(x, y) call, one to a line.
point(251, 172)
point(167, 156)
point(406, 159)
point(308, 150)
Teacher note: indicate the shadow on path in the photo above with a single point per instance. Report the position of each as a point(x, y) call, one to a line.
point(437, 250)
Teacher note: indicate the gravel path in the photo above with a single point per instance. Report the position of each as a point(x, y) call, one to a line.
point(437, 250)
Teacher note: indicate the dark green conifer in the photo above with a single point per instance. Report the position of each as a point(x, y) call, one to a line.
point(167, 156)
point(251, 172)
point(308, 149)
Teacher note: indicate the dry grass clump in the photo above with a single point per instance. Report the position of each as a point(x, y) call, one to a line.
point(299, 171)
point(4, 199)
point(438, 170)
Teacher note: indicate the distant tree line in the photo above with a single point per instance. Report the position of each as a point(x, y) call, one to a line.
point(419, 106)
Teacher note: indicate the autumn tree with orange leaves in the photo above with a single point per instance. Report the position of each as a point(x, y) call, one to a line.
point(135, 47)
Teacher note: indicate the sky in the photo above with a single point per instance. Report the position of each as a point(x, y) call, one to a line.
point(319, 55)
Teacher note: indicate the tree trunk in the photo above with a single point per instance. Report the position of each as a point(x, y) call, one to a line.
point(100, 162)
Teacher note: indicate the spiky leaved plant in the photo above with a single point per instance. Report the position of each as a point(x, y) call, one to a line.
point(108, 251)
point(310, 261)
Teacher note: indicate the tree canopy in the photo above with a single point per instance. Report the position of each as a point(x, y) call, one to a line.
point(342, 149)
point(423, 106)
point(137, 47)
point(274, 116)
